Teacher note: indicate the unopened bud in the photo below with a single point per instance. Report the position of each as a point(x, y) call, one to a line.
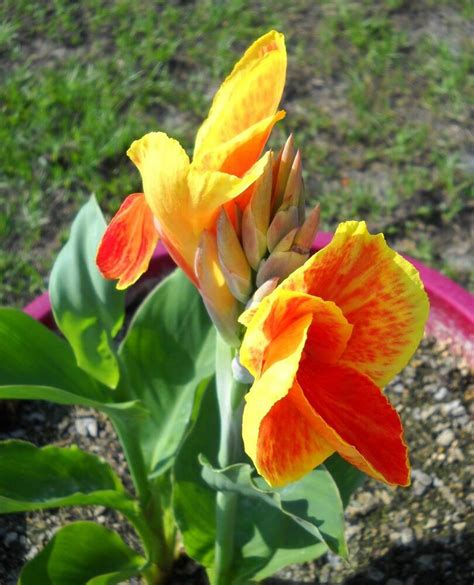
point(282, 169)
point(280, 264)
point(233, 262)
point(286, 243)
point(256, 217)
point(265, 289)
point(294, 185)
point(240, 373)
point(284, 222)
point(262, 291)
point(304, 237)
point(221, 304)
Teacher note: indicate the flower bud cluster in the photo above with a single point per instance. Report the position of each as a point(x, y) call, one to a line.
point(259, 239)
point(272, 237)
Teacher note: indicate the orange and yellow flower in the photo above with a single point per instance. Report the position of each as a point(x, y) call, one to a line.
point(182, 199)
point(320, 347)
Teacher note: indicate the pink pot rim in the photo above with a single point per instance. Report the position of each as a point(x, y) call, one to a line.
point(451, 314)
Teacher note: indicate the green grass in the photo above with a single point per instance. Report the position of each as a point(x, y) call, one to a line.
point(377, 98)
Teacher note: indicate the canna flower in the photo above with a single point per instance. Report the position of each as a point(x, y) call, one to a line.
point(182, 199)
point(321, 347)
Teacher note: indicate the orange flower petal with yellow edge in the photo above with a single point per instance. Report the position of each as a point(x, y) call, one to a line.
point(356, 419)
point(273, 347)
point(250, 94)
point(328, 333)
point(378, 291)
point(128, 242)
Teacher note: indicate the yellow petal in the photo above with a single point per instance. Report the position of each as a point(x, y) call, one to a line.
point(275, 383)
point(164, 167)
point(210, 190)
point(250, 93)
point(237, 155)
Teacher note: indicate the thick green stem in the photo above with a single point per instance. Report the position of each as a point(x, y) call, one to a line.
point(160, 517)
point(230, 395)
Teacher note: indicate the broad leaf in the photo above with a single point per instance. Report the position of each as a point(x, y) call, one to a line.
point(33, 355)
point(83, 553)
point(129, 411)
point(168, 350)
point(347, 477)
point(88, 309)
point(285, 522)
point(33, 478)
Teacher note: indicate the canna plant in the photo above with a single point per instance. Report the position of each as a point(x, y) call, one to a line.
point(247, 393)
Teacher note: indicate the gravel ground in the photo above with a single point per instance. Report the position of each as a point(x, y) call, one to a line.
point(413, 536)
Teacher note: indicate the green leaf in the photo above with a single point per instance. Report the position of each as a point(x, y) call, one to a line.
point(347, 477)
point(33, 478)
point(130, 411)
point(33, 355)
point(83, 553)
point(168, 350)
point(266, 538)
point(300, 516)
point(88, 309)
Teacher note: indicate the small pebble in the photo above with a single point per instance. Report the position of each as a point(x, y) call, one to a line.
point(441, 393)
point(407, 536)
point(421, 481)
point(445, 438)
point(87, 426)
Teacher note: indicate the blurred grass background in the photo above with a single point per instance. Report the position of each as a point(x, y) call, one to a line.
point(378, 97)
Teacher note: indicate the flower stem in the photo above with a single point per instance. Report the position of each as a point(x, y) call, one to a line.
point(230, 395)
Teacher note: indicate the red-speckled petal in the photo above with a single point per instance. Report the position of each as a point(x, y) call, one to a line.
point(289, 445)
point(356, 419)
point(128, 242)
point(379, 293)
point(276, 316)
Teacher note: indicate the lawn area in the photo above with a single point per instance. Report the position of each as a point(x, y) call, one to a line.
point(378, 97)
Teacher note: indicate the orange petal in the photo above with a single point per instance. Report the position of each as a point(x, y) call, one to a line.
point(250, 94)
point(289, 445)
point(328, 333)
point(378, 291)
point(356, 419)
point(128, 242)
